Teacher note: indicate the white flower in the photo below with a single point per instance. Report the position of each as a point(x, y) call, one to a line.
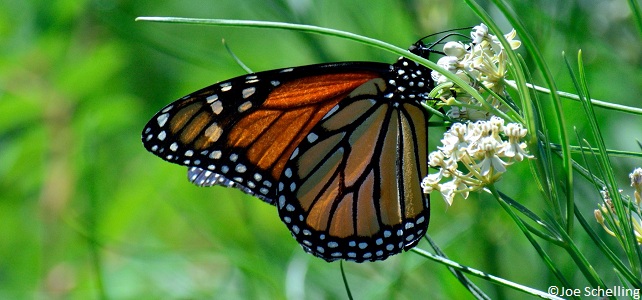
point(479, 33)
point(456, 49)
point(515, 149)
point(447, 191)
point(514, 44)
point(454, 141)
point(482, 64)
point(632, 212)
point(496, 127)
point(488, 148)
point(636, 178)
point(428, 184)
point(636, 183)
point(450, 63)
point(479, 147)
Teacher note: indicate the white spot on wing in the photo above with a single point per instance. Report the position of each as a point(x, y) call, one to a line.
point(312, 137)
point(331, 112)
point(245, 106)
point(212, 98)
point(295, 153)
point(166, 109)
point(248, 92)
point(216, 154)
point(162, 119)
point(217, 107)
point(213, 132)
point(226, 87)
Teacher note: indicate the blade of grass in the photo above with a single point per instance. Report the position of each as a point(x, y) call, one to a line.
point(345, 280)
point(469, 285)
point(610, 152)
point(612, 257)
point(545, 257)
point(551, 236)
point(630, 242)
point(637, 14)
point(596, 103)
point(236, 58)
point(483, 275)
point(542, 168)
point(529, 44)
point(580, 261)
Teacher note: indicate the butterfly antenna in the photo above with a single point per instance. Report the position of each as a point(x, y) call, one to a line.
point(450, 31)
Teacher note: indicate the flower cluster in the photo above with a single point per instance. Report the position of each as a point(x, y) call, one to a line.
point(481, 63)
point(606, 212)
point(479, 147)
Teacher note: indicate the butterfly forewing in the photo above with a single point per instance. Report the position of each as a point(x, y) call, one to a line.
point(241, 132)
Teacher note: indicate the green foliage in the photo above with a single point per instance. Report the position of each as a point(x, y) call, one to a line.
point(86, 212)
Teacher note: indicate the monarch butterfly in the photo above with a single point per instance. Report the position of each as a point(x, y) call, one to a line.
point(339, 148)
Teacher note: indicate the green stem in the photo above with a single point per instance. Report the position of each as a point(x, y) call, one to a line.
point(597, 103)
point(486, 276)
point(340, 34)
point(547, 259)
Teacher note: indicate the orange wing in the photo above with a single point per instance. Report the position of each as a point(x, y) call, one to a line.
point(351, 189)
point(241, 132)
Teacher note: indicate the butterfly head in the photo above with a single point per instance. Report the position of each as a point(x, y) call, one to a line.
point(422, 49)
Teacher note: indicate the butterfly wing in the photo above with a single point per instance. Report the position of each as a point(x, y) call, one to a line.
point(241, 132)
point(341, 148)
point(351, 189)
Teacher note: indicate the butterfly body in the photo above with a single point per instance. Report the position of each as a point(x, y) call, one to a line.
point(340, 149)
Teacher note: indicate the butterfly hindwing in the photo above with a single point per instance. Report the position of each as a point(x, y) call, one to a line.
point(351, 188)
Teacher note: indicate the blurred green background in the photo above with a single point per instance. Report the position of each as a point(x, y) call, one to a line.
point(86, 212)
